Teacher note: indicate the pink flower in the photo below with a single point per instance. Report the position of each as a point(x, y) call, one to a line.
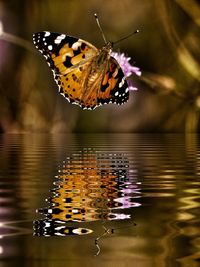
point(127, 68)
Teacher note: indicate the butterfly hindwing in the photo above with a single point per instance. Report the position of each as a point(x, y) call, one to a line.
point(72, 87)
point(114, 87)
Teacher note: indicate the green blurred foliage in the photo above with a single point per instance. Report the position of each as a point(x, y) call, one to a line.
point(166, 50)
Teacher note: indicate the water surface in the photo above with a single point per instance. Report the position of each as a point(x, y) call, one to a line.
point(103, 199)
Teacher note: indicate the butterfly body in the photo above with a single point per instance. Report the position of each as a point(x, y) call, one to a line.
point(85, 75)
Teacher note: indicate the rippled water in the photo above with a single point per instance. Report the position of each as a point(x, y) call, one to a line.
point(103, 200)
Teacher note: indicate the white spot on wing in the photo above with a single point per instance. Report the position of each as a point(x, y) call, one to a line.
point(116, 94)
point(59, 39)
point(50, 47)
point(122, 82)
point(59, 228)
point(47, 34)
point(76, 45)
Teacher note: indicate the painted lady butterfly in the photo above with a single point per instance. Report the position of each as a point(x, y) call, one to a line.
point(85, 75)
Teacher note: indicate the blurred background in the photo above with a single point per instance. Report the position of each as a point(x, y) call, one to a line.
point(166, 50)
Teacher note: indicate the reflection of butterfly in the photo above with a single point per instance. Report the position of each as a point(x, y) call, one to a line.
point(86, 76)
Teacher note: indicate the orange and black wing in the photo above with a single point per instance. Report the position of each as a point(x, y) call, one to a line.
point(114, 87)
point(63, 52)
point(69, 58)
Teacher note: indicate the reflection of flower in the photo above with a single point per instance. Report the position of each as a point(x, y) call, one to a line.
point(127, 68)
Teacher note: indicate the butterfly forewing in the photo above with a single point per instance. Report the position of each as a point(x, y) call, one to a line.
point(63, 52)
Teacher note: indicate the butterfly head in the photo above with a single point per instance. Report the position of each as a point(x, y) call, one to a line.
point(108, 47)
point(103, 55)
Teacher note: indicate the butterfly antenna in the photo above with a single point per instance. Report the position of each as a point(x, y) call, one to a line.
point(126, 37)
point(102, 33)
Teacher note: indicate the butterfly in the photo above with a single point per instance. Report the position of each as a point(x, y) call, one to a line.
point(85, 75)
